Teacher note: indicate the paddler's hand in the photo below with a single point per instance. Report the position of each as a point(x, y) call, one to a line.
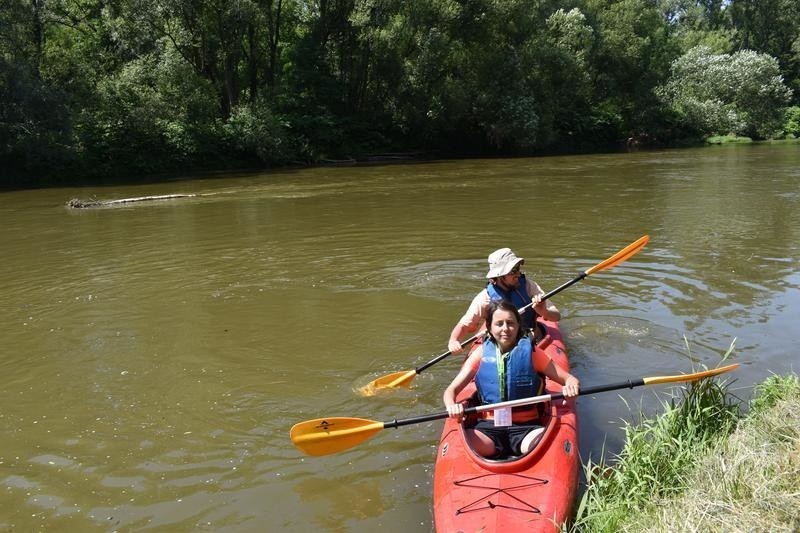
point(454, 346)
point(456, 410)
point(572, 387)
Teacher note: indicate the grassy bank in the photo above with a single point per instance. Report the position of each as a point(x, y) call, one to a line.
point(703, 466)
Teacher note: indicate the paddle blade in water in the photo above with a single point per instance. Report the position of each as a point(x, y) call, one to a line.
point(389, 381)
point(324, 436)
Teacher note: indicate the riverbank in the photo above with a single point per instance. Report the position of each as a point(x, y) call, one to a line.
point(16, 179)
point(703, 465)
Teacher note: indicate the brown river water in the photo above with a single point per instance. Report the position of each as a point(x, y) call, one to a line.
point(156, 354)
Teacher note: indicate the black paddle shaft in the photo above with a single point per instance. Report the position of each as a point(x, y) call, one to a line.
point(629, 384)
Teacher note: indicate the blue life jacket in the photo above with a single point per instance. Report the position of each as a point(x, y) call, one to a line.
point(518, 296)
point(521, 379)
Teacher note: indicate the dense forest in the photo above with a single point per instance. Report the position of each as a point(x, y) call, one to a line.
point(98, 88)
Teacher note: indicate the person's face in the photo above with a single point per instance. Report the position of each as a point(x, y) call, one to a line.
point(504, 328)
point(512, 278)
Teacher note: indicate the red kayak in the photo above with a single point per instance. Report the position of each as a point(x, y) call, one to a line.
point(535, 492)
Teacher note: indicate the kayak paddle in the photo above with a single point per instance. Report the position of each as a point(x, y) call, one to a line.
point(324, 436)
point(404, 378)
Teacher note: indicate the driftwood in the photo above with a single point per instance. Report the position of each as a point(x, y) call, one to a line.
point(396, 156)
point(334, 162)
point(376, 158)
point(76, 203)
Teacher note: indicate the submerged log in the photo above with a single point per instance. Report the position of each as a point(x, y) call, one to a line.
point(76, 203)
point(396, 156)
point(337, 162)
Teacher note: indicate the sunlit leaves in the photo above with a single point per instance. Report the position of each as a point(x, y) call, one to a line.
point(740, 93)
point(253, 128)
point(792, 124)
point(569, 31)
point(92, 77)
point(631, 57)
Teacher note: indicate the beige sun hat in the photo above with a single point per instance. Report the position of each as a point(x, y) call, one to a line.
point(501, 262)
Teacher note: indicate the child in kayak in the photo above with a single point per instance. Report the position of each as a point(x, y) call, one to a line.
point(506, 282)
point(506, 367)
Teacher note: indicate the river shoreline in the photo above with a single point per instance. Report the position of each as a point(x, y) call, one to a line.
point(736, 476)
point(24, 181)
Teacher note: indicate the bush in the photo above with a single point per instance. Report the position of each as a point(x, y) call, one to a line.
point(741, 93)
point(254, 130)
point(792, 124)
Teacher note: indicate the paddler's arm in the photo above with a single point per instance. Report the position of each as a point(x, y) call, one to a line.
point(468, 369)
point(454, 343)
point(471, 322)
point(544, 308)
point(571, 385)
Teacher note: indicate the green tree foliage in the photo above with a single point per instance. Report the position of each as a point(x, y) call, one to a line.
point(741, 93)
point(563, 76)
point(33, 116)
point(771, 27)
point(99, 87)
point(632, 56)
point(253, 129)
point(459, 71)
point(792, 124)
point(702, 23)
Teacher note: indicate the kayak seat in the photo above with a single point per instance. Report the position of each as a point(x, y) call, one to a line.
point(472, 419)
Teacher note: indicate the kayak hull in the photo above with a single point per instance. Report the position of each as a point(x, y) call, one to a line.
point(533, 493)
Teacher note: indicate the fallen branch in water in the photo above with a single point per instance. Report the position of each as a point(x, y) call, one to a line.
point(76, 203)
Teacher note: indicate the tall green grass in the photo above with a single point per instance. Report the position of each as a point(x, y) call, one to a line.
point(701, 466)
point(749, 481)
point(656, 455)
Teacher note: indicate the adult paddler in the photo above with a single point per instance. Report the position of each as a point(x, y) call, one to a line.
point(506, 282)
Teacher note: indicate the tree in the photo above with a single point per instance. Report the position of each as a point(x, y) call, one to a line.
point(740, 93)
point(631, 57)
point(563, 78)
point(771, 27)
point(34, 119)
point(699, 22)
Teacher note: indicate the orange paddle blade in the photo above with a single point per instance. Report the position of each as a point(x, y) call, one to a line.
point(690, 377)
point(323, 436)
point(389, 381)
point(624, 254)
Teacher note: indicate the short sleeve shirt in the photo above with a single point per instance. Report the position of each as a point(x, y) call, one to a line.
point(476, 312)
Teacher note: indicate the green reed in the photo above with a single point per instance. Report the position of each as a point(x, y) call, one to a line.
point(657, 454)
point(703, 466)
point(747, 481)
